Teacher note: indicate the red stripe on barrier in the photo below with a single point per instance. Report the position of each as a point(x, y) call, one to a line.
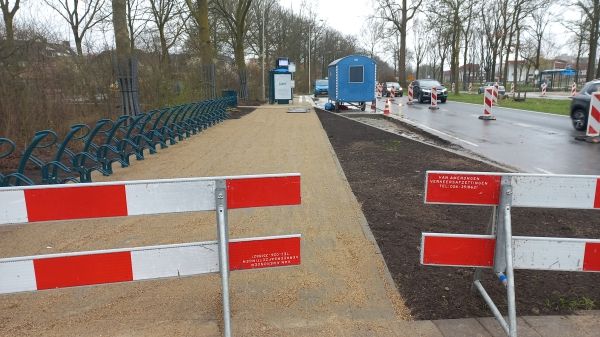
point(471, 189)
point(458, 251)
point(595, 113)
point(597, 196)
point(264, 253)
point(75, 203)
point(591, 130)
point(260, 192)
point(488, 102)
point(591, 258)
point(73, 271)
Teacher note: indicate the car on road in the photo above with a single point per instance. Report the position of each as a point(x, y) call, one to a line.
point(422, 90)
point(501, 89)
point(321, 88)
point(580, 105)
point(388, 89)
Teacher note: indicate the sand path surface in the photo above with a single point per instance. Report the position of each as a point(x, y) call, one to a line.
point(340, 289)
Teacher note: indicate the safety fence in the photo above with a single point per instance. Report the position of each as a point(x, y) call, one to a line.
point(25, 204)
point(500, 250)
point(85, 149)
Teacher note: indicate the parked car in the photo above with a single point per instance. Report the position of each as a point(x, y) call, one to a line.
point(501, 89)
point(321, 87)
point(388, 88)
point(580, 105)
point(422, 90)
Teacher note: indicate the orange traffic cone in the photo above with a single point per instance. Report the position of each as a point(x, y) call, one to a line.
point(386, 110)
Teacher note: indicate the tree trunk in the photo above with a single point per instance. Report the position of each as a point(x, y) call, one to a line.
point(10, 31)
point(515, 70)
point(593, 42)
point(240, 62)
point(126, 68)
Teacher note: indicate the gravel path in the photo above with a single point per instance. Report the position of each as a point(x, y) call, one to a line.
point(341, 288)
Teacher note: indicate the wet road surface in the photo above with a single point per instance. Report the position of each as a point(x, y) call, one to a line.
point(528, 141)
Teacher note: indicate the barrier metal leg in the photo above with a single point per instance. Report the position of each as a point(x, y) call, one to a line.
point(503, 260)
point(221, 203)
point(510, 276)
point(492, 231)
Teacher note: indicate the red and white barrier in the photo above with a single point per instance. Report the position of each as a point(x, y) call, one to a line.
point(453, 86)
point(488, 102)
point(512, 89)
point(533, 253)
point(573, 89)
point(392, 93)
point(502, 251)
point(100, 200)
point(593, 127)
point(434, 104)
point(410, 94)
point(31, 273)
point(470, 87)
point(379, 90)
point(386, 109)
point(544, 87)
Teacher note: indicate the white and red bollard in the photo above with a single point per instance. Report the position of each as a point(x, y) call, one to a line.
point(488, 102)
point(410, 95)
point(379, 90)
point(434, 105)
point(573, 89)
point(544, 87)
point(453, 86)
point(593, 127)
point(496, 89)
point(386, 110)
point(470, 87)
point(512, 89)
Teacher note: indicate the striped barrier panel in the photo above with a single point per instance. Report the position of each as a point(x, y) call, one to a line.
point(593, 127)
point(573, 89)
point(130, 198)
point(433, 99)
point(544, 88)
point(500, 250)
point(496, 89)
point(488, 103)
point(410, 94)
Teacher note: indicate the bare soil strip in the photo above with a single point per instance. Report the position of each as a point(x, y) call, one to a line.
point(387, 175)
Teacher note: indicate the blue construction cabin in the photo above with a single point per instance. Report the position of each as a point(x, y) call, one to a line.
point(352, 81)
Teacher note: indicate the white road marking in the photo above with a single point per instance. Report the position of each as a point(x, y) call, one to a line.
point(445, 134)
point(543, 171)
point(500, 107)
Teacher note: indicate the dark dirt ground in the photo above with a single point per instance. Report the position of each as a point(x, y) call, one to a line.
point(387, 175)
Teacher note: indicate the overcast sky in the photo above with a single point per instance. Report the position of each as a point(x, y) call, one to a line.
point(346, 16)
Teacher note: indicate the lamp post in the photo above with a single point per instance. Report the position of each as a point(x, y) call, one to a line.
point(264, 10)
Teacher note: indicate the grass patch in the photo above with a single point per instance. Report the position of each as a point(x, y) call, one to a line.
point(553, 106)
point(559, 303)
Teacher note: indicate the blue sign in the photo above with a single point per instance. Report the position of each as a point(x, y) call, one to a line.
point(568, 72)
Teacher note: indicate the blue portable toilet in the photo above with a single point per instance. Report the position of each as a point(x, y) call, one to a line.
point(352, 80)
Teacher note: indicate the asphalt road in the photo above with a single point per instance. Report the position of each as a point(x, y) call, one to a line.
point(528, 141)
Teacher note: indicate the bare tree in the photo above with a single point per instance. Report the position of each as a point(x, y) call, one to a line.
point(136, 20)
point(169, 18)
point(419, 46)
point(371, 34)
point(8, 14)
point(591, 10)
point(81, 16)
point(234, 14)
point(399, 14)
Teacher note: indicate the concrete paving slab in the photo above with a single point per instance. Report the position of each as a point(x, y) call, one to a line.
point(556, 326)
point(588, 323)
point(461, 328)
point(417, 329)
point(495, 330)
